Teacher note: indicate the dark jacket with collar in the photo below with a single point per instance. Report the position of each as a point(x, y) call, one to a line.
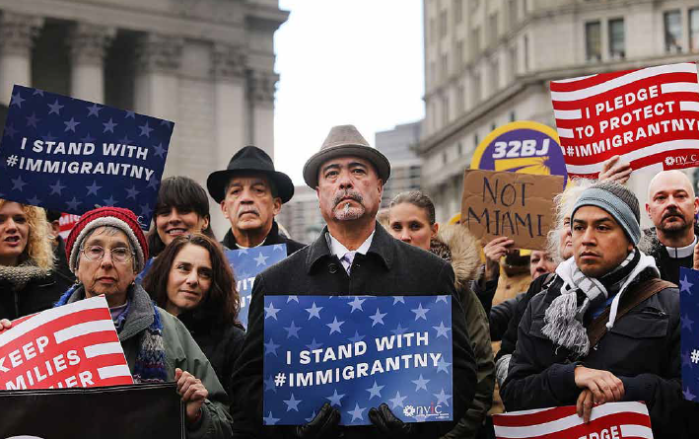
point(274, 237)
point(221, 343)
point(669, 267)
point(38, 294)
point(390, 267)
point(642, 350)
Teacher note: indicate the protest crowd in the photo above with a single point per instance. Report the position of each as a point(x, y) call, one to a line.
point(593, 318)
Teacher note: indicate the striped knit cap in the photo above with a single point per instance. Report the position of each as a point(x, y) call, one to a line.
point(616, 200)
point(122, 219)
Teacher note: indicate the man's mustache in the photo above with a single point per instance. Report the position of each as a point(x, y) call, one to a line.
point(673, 212)
point(349, 195)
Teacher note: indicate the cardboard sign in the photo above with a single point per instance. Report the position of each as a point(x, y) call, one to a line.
point(145, 411)
point(613, 420)
point(73, 345)
point(518, 206)
point(71, 155)
point(524, 147)
point(689, 334)
point(356, 353)
point(647, 116)
point(248, 263)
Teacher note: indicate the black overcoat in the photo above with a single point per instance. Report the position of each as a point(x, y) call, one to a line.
point(390, 267)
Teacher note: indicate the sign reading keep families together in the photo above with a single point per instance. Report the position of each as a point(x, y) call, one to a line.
point(356, 353)
point(72, 155)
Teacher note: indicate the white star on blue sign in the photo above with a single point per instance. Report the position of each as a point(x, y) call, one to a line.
point(685, 286)
point(71, 124)
point(377, 318)
point(271, 311)
point(145, 130)
point(420, 312)
point(93, 188)
point(261, 259)
point(442, 331)
point(375, 390)
point(335, 399)
point(443, 366)
point(292, 403)
point(293, 330)
point(356, 413)
point(271, 347)
point(132, 193)
point(73, 204)
point(397, 401)
point(335, 326)
point(159, 150)
point(314, 311)
point(109, 126)
point(270, 420)
point(18, 184)
point(442, 398)
point(420, 383)
point(356, 304)
point(93, 110)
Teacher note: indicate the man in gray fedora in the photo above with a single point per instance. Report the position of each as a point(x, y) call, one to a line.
point(352, 256)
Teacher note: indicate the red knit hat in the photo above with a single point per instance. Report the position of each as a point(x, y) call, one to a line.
point(122, 219)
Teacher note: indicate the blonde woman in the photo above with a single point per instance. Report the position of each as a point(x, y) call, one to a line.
point(28, 283)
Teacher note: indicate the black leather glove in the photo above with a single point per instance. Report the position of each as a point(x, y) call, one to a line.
point(391, 427)
point(326, 424)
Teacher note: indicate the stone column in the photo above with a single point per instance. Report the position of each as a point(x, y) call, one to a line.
point(228, 72)
point(88, 47)
point(158, 59)
point(17, 34)
point(261, 88)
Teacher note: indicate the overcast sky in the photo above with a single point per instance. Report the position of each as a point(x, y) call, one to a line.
point(341, 62)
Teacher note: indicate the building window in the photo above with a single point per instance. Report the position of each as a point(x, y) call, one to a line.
point(512, 116)
point(526, 53)
point(476, 92)
point(593, 41)
point(444, 67)
point(444, 158)
point(433, 30)
point(493, 126)
point(493, 29)
point(460, 149)
point(460, 99)
point(512, 11)
point(445, 110)
point(694, 29)
point(458, 11)
point(513, 63)
point(459, 58)
point(443, 24)
point(494, 75)
point(673, 31)
point(616, 39)
point(476, 141)
point(433, 72)
point(475, 42)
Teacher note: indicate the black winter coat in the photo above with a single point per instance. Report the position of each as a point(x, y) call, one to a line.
point(37, 295)
point(220, 344)
point(390, 267)
point(669, 267)
point(642, 350)
point(274, 237)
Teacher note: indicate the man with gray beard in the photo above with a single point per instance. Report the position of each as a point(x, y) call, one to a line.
point(352, 257)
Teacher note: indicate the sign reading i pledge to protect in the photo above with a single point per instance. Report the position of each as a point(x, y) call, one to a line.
point(648, 116)
point(519, 206)
point(73, 345)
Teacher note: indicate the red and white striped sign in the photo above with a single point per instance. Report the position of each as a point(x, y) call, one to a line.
point(649, 116)
point(74, 345)
point(66, 224)
point(613, 420)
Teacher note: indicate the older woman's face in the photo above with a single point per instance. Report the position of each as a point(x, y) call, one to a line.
point(566, 239)
point(107, 274)
point(14, 233)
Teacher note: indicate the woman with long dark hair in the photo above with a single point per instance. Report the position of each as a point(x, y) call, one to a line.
point(191, 279)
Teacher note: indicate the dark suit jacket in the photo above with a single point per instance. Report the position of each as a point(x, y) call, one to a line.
point(390, 267)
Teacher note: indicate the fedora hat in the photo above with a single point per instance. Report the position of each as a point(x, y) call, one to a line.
point(250, 159)
point(343, 141)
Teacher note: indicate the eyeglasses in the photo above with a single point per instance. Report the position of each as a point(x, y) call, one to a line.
point(96, 253)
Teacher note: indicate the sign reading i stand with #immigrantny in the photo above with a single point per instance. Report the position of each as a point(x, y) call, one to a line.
point(71, 155)
point(356, 353)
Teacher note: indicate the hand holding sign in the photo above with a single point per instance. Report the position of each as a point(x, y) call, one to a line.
point(494, 251)
point(193, 394)
point(616, 170)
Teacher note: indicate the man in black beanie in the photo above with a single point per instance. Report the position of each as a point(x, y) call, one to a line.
point(607, 329)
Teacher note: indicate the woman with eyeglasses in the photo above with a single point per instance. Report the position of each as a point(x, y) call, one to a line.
point(191, 279)
point(28, 281)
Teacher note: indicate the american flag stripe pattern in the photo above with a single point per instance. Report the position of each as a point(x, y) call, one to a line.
point(84, 327)
point(649, 131)
point(627, 419)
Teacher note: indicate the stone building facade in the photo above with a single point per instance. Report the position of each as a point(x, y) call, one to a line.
point(489, 62)
point(207, 65)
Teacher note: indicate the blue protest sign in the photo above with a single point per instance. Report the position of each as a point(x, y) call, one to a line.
point(689, 334)
point(71, 155)
point(248, 263)
point(356, 353)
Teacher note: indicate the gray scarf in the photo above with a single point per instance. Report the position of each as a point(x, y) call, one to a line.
point(22, 274)
point(564, 317)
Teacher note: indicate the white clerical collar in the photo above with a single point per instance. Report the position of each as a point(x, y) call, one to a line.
point(246, 248)
point(340, 250)
point(682, 252)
